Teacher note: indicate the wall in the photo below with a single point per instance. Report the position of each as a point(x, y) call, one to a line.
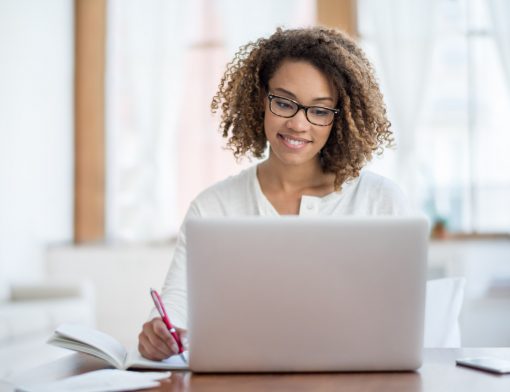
point(121, 276)
point(36, 133)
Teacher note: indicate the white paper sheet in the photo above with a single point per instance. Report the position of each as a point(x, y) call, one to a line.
point(107, 380)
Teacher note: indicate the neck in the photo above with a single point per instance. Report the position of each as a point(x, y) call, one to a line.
point(292, 178)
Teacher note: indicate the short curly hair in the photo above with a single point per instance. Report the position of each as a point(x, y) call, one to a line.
point(360, 129)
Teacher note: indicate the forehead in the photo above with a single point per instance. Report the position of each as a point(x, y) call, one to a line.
point(303, 79)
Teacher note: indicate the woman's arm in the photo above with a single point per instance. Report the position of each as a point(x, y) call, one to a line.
point(154, 341)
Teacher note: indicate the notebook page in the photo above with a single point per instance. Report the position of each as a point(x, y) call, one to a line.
point(89, 340)
point(135, 360)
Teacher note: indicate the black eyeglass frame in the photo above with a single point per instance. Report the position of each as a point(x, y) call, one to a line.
point(305, 108)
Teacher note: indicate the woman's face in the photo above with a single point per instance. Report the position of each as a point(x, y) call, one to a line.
point(294, 140)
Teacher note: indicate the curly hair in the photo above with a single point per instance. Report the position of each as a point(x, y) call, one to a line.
point(360, 129)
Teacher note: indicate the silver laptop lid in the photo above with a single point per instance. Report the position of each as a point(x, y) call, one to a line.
point(294, 294)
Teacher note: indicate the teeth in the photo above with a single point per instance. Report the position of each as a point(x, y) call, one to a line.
point(293, 141)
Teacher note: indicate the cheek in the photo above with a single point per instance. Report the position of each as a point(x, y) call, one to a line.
point(267, 124)
point(271, 124)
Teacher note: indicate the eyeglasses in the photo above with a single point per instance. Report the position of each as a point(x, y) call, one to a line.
point(286, 107)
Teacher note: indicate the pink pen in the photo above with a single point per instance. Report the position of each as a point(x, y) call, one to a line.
point(161, 309)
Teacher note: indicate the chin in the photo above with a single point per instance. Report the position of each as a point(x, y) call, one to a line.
point(296, 159)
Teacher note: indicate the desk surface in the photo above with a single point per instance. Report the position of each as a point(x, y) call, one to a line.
point(438, 373)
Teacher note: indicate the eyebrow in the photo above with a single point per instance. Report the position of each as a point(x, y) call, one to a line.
point(293, 96)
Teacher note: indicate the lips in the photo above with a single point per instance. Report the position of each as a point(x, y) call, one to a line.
point(293, 142)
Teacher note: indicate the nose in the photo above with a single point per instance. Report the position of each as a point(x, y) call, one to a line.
point(299, 122)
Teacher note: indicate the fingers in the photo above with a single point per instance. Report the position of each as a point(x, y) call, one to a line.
point(183, 335)
point(160, 336)
point(155, 341)
point(149, 351)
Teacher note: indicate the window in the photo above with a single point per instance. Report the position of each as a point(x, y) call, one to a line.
point(460, 137)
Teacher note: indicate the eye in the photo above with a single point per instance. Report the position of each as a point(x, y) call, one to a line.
point(320, 112)
point(284, 104)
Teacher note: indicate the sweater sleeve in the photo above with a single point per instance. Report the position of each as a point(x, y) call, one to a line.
point(174, 293)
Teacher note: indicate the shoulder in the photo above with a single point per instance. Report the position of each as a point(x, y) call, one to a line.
point(383, 195)
point(227, 195)
point(230, 186)
point(374, 181)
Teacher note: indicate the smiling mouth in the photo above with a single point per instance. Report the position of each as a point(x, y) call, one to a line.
point(293, 142)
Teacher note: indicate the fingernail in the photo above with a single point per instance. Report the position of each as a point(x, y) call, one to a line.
point(175, 348)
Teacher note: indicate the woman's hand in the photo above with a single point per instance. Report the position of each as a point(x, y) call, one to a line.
point(155, 341)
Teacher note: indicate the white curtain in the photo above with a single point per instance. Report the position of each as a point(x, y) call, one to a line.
point(246, 21)
point(500, 16)
point(402, 33)
point(144, 63)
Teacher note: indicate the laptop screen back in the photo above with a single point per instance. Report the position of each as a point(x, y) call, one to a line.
point(293, 294)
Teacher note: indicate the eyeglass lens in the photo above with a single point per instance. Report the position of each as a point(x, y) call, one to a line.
point(315, 114)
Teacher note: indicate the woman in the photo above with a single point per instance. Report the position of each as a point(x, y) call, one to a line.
point(311, 95)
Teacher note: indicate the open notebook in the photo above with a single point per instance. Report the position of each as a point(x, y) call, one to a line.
point(91, 341)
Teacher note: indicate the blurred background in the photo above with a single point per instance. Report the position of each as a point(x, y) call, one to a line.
point(106, 136)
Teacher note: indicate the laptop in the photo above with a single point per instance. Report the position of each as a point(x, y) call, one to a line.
point(291, 294)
